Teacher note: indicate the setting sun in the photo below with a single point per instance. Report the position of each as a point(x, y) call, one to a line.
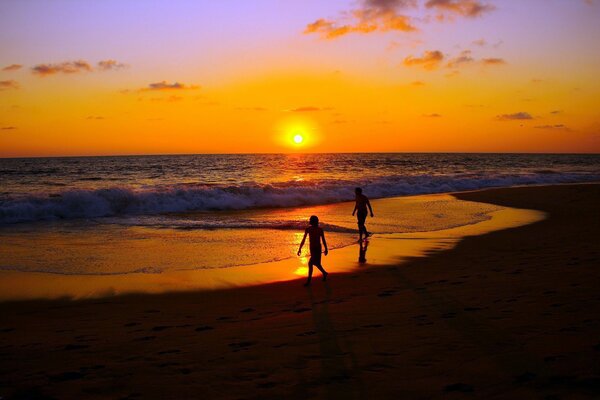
point(298, 139)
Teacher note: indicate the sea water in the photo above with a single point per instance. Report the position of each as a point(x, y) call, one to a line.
point(156, 214)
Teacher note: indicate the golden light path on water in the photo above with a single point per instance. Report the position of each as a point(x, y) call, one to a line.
point(383, 249)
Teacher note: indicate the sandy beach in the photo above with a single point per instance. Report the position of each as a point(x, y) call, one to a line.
point(508, 314)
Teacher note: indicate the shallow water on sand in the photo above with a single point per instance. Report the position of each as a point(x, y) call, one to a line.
point(65, 259)
point(168, 243)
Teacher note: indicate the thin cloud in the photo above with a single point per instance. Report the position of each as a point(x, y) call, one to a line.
point(67, 67)
point(464, 8)
point(418, 83)
point(97, 117)
point(480, 42)
point(164, 85)
point(372, 16)
point(556, 126)
point(251, 108)
point(10, 84)
point(556, 112)
point(12, 67)
point(430, 60)
point(8, 128)
point(522, 115)
point(493, 61)
point(434, 115)
point(111, 65)
point(466, 58)
point(308, 109)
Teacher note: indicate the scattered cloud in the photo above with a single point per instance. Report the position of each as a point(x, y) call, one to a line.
point(556, 112)
point(479, 42)
point(110, 65)
point(372, 16)
point(430, 60)
point(522, 115)
point(73, 67)
point(464, 8)
point(67, 67)
point(164, 85)
point(465, 57)
point(418, 83)
point(97, 117)
point(434, 115)
point(12, 67)
point(10, 84)
point(9, 128)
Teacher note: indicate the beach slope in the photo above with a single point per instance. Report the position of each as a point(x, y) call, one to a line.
point(508, 314)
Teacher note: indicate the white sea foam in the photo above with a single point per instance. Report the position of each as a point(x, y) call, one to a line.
point(124, 201)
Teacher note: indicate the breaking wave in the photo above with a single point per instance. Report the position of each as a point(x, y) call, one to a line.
point(123, 201)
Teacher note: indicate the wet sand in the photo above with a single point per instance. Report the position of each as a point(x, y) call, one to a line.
point(508, 314)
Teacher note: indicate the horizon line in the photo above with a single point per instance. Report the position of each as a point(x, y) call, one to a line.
point(297, 153)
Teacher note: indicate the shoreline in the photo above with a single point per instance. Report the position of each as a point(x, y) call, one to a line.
point(381, 249)
point(510, 313)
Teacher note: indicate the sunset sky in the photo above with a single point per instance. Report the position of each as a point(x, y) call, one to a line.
point(131, 77)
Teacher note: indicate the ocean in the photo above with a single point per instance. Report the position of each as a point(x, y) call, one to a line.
point(153, 214)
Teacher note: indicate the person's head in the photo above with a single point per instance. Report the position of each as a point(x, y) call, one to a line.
point(358, 191)
point(314, 220)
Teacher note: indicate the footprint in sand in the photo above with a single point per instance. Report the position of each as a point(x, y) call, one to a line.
point(458, 387)
point(204, 328)
point(161, 328)
point(237, 346)
point(75, 347)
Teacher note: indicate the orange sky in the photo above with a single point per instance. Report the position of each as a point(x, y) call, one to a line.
point(369, 75)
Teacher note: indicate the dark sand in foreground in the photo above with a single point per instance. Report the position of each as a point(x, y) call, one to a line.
point(510, 314)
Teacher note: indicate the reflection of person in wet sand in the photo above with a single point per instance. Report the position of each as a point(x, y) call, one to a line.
point(362, 254)
point(360, 209)
point(315, 234)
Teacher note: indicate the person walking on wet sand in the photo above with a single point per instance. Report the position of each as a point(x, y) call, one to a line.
point(315, 234)
point(360, 209)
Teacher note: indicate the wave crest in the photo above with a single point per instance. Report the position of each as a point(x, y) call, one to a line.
point(122, 201)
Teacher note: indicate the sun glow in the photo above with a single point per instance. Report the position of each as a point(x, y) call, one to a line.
point(298, 139)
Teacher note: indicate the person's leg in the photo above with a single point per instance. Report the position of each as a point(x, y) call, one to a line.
point(310, 271)
point(360, 228)
point(361, 225)
point(325, 273)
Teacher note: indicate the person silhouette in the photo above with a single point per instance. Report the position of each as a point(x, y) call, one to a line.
point(315, 234)
point(360, 209)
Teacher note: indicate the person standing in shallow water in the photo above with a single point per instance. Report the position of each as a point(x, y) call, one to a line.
point(315, 234)
point(360, 209)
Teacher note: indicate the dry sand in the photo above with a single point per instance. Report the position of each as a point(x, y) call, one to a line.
point(509, 314)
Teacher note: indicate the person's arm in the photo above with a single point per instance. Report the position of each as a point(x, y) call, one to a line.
point(370, 209)
point(302, 243)
point(354, 211)
point(324, 242)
